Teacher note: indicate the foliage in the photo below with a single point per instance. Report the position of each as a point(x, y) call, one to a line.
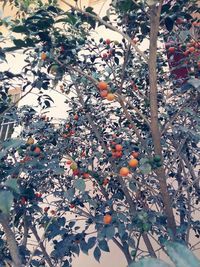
point(179, 254)
point(69, 172)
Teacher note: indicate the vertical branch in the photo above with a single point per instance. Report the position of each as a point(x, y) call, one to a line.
point(45, 254)
point(155, 130)
point(12, 244)
point(149, 245)
point(121, 181)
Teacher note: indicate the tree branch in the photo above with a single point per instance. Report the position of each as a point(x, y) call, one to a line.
point(111, 27)
point(45, 254)
point(12, 244)
point(156, 134)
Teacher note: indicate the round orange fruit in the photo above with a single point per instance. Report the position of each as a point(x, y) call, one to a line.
point(135, 154)
point(43, 56)
point(171, 49)
point(110, 97)
point(104, 93)
point(102, 85)
point(124, 171)
point(37, 150)
point(107, 219)
point(118, 147)
point(133, 163)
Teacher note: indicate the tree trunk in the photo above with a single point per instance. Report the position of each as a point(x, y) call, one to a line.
point(156, 134)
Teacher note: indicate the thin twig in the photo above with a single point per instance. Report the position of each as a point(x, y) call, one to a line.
point(110, 26)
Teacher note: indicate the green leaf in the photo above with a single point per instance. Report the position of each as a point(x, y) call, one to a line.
point(2, 154)
point(97, 254)
point(12, 183)
point(80, 185)
point(20, 29)
point(69, 194)
point(109, 231)
point(19, 43)
point(103, 245)
point(91, 242)
point(149, 262)
point(12, 143)
point(181, 255)
point(6, 201)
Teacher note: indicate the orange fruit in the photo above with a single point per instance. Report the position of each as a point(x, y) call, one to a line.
point(195, 23)
point(43, 56)
point(37, 150)
point(53, 212)
point(30, 141)
point(135, 40)
point(118, 147)
point(185, 53)
point(75, 117)
point(135, 154)
point(114, 156)
point(110, 97)
point(105, 181)
point(118, 154)
point(65, 135)
point(108, 41)
point(104, 93)
point(86, 175)
point(102, 85)
point(107, 219)
point(124, 171)
point(133, 163)
point(171, 49)
point(191, 49)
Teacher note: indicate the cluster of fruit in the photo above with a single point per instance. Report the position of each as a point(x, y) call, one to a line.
point(31, 150)
point(103, 88)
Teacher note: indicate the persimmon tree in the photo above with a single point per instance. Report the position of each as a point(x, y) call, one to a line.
point(122, 166)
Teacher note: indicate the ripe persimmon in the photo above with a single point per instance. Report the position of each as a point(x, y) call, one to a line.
point(107, 219)
point(108, 41)
point(43, 56)
point(102, 85)
point(191, 49)
point(86, 175)
point(124, 171)
point(110, 97)
point(118, 147)
point(118, 154)
point(133, 163)
point(105, 181)
point(37, 150)
point(104, 93)
point(135, 154)
point(104, 55)
point(171, 49)
point(75, 117)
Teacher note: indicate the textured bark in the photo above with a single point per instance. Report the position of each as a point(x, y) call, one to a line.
point(12, 244)
point(155, 130)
